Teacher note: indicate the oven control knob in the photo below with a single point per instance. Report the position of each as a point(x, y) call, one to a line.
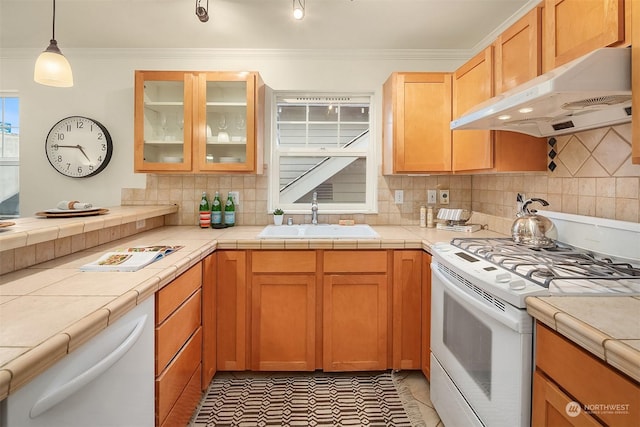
point(517, 284)
point(503, 277)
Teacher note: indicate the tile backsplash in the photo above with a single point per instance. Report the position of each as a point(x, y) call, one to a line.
point(593, 176)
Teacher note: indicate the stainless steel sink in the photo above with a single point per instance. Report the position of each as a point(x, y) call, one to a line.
point(320, 231)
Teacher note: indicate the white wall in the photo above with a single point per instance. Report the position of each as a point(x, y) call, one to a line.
point(103, 90)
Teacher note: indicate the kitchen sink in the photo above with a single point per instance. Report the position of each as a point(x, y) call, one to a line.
point(320, 231)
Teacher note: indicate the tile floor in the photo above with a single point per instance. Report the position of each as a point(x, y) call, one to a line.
point(416, 385)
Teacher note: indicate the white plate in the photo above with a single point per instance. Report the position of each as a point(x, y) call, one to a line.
point(229, 159)
point(54, 211)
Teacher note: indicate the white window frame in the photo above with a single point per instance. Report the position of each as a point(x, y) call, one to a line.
point(369, 206)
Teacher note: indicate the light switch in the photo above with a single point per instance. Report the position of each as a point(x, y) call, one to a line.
point(444, 197)
point(399, 197)
point(431, 197)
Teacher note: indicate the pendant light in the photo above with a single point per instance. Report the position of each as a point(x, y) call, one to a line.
point(52, 68)
point(298, 9)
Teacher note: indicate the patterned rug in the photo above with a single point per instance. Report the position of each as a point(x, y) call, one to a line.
point(316, 399)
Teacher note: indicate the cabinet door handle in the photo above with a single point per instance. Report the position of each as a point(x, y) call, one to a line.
point(61, 393)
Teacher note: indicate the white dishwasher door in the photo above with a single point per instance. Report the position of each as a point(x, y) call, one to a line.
point(107, 382)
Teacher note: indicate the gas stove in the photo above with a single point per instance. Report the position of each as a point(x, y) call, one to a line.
point(592, 256)
point(561, 269)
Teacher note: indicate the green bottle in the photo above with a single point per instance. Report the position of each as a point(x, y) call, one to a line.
point(205, 213)
point(216, 211)
point(229, 211)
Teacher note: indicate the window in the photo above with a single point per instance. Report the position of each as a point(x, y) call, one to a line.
point(323, 144)
point(9, 156)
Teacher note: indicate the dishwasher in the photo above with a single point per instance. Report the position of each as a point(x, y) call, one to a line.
point(107, 382)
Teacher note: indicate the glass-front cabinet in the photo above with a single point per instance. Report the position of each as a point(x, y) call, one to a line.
point(198, 121)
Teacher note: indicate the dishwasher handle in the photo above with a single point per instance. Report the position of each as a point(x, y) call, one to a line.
point(61, 393)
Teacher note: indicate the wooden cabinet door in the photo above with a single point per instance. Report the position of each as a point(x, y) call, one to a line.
point(407, 332)
point(518, 52)
point(416, 133)
point(426, 315)
point(355, 322)
point(574, 28)
point(472, 84)
point(553, 408)
point(231, 319)
point(209, 303)
point(163, 118)
point(283, 318)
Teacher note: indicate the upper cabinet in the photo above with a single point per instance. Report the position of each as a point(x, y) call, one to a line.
point(635, 84)
point(416, 111)
point(573, 28)
point(518, 52)
point(198, 121)
point(513, 59)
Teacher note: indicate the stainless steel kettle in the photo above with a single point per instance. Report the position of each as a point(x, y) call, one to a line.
point(532, 229)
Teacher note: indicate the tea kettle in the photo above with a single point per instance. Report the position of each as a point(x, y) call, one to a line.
point(530, 228)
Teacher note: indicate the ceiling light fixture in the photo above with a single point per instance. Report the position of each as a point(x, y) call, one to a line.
point(52, 68)
point(202, 12)
point(298, 8)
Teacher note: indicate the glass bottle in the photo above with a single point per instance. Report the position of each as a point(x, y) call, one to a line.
point(205, 213)
point(216, 211)
point(229, 211)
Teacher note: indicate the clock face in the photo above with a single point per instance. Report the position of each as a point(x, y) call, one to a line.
point(78, 147)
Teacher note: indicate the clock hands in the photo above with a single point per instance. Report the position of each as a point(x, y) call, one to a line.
point(79, 147)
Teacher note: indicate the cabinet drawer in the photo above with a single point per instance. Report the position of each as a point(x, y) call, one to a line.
point(283, 262)
point(174, 332)
point(171, 383)
point(186, 404)
point(355, 262)
point(171, 296)
point(586, 378)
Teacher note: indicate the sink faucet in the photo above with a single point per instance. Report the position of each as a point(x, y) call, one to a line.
point(314, 209)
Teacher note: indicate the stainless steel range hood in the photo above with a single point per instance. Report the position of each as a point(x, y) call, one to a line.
point(590, 92)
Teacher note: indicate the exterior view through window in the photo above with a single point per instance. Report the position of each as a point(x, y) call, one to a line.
point(9, 157)
point(322, 144)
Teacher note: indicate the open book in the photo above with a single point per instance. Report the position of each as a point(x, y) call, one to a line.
point(129, 259)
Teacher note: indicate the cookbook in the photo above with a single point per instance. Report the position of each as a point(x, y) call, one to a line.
point(129, 259)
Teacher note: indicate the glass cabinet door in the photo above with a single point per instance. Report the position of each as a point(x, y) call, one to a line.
point(226, 131)
point(163, 115)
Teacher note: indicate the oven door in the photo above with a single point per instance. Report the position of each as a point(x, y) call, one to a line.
point(484, 353)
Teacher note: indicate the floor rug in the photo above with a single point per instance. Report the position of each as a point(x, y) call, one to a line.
point(316, 399)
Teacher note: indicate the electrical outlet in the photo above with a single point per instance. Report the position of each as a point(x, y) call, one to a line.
point(431, 197)
point(235, 195)
point(140, 224)
point(444, 197)
point(399, 197)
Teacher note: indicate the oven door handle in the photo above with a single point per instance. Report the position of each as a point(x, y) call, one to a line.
point(500, 316)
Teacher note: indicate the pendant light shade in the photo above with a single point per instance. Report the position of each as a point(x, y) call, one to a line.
point(52, 68)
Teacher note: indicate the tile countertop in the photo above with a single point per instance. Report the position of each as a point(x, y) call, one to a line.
point(35, 333)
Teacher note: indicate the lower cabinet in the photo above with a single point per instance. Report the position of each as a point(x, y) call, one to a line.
point(355, 292)
point(209, 329)
point(302, 310)
point(572, 387)
point(178, 343)
point(283, 310)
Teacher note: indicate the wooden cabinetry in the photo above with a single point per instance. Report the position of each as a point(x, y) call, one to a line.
point(407, 309)
point(571, 387)
point(283, 310)
point(198, 121)
point(178, 339)
point(573, 28)
point(426, 315)
point(355, 289)
point(518, 52)
point(209, 303)
point(231, 319)
point(635, 84)
point(495, 151)
point(416, 112)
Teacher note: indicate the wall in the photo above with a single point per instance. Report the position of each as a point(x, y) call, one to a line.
point(103, 90)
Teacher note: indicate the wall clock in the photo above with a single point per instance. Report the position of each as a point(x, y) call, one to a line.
point(78, 147)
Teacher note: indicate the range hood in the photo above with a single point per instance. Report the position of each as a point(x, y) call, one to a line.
point(589, 92)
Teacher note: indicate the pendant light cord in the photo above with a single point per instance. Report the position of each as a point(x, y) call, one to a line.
point(53, 30)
